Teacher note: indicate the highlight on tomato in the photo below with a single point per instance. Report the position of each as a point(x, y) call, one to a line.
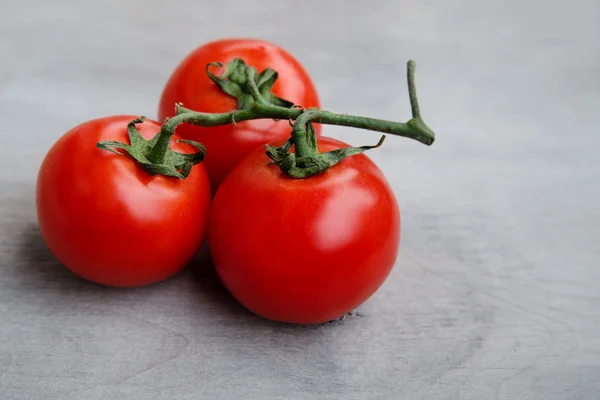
point(123, 202)
point(282, 80)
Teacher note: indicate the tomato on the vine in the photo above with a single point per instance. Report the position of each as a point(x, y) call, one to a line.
point(107, 219)
point(304, 250)
point(227, 145)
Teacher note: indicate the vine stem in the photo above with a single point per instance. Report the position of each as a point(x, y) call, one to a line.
point(415, 128)
point(260, 111)
point(412, 89)
point(256, 101)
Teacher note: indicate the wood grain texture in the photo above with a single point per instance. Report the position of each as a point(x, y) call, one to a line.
point(496, 293)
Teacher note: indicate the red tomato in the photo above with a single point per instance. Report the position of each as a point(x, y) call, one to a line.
point(227, 145)
point(304, 250)
point(108, 220)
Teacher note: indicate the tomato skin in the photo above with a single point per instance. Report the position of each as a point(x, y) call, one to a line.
point(108, 220)
point(304, 251)
point(227, 145)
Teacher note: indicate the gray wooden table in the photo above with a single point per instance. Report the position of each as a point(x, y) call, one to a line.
point(496, 293)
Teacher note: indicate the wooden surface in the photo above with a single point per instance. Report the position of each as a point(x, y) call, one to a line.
point(496, 293)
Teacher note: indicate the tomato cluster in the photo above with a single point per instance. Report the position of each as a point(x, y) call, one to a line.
point(128, 202)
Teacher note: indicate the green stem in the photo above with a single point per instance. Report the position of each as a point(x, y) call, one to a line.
point(256, 101)
point(415, 128)
point(157, 152)
point(304, 148)
point(412, 89)
point(256, 111)
point(259, 111)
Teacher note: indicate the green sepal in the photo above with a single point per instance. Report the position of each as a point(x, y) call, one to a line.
point(300, 168)
point(278, 154)
point(173, 164)
point(233, 81)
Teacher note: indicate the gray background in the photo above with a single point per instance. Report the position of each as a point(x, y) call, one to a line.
point(496, 293)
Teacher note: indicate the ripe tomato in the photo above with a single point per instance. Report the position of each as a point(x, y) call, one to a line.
point(107, 219)
point(226, 145)
point(304, 250)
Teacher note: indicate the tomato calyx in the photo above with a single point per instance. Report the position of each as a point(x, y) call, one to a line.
point(307, 161)
point(154, 155)
point(244, 83)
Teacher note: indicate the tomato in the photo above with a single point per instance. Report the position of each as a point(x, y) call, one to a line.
point(107, 219)
point(228, 144)
point(304, 250)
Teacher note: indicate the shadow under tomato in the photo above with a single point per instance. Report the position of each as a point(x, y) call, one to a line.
point(211, 290)
point(37, 267)
point(40, 268)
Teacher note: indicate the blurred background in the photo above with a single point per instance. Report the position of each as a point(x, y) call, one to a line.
point(495, 295)
point(509, 80)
